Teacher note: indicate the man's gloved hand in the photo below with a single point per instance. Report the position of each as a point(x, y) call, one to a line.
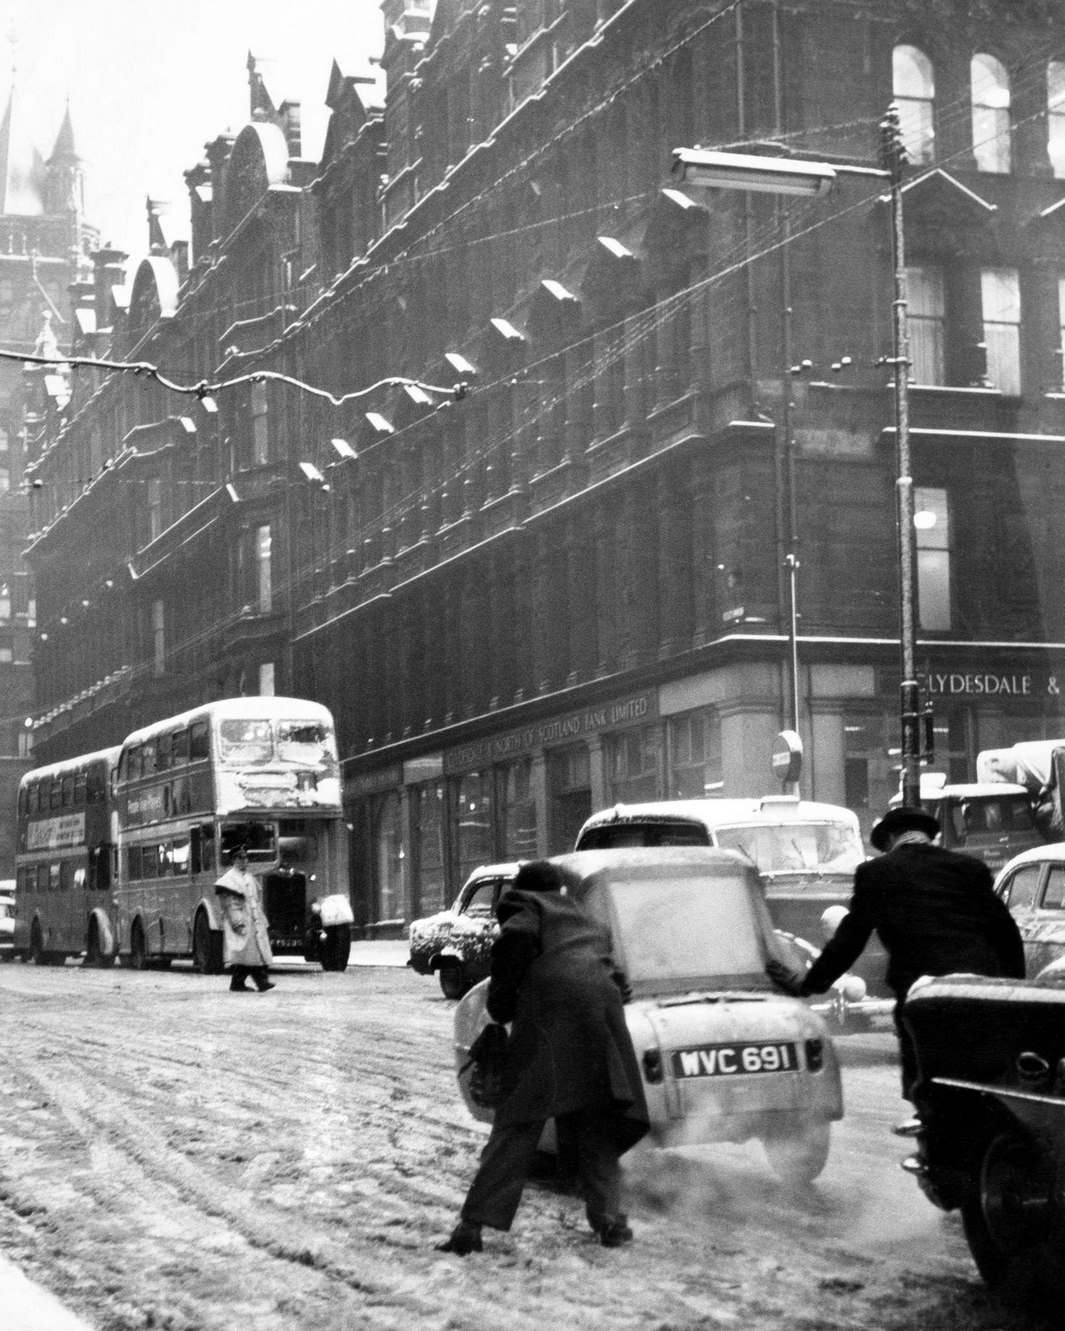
point(785, 977)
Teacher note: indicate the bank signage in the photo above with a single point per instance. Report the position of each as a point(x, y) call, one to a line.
point(634, 710)
point(1032, 684)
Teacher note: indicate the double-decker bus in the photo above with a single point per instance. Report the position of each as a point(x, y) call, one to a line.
point(65, 861)
point(259, 772)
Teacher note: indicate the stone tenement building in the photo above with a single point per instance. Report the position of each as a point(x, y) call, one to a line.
point(574, 586)
point(44, 246)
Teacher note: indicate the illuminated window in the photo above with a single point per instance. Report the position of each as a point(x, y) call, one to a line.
point(914, 92)
point(264, 587)
point(1056, 116)
point(931, 519)
point(991, 114)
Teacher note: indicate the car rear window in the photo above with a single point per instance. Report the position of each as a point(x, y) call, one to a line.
point(612, 836)
point(676, 930)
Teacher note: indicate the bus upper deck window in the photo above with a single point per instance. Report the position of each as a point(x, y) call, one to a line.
point(179, 748)
point(301, 742)
point(199, 747)
point(245, 741)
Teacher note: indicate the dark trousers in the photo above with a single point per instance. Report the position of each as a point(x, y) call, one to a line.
point(907, 1053)
point(508, 1155)
point(241, 973)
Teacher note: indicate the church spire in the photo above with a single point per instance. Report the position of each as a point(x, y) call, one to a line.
point(64, 151)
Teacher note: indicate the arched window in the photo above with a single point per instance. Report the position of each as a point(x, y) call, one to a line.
point(914, 92)
point(1056, 116)
point(991, 114)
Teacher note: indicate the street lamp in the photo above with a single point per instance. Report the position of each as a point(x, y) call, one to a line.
point(758, 172)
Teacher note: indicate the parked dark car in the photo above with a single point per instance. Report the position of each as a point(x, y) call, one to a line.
point(454, 944)
point(991, 1096)
point(1032, 884)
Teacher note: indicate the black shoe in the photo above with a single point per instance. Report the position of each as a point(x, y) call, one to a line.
point(465, 1238)
point(911, 1127)
point(241, 988)
point(266, 984)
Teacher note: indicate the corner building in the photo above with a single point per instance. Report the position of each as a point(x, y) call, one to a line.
point(574, 585)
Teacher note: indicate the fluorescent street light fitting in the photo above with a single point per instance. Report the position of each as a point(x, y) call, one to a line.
point(709, 169)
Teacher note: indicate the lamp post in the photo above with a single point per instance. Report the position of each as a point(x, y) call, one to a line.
point(764, 173)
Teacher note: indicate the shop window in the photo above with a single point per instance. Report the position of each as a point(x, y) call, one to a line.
point(389, 859)
point(914, 92)
point(517, 810)
point(1000, 296)
point(990, 114)
point(473, 821)
point(633, 765)
point(931, 519)
point(695, 755)
point(1056, 116)
point(569, 795)
point(427, 809)
point(927, 319)
point(870, 776)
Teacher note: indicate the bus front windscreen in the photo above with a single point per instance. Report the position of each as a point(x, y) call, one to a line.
point(795, 847)
point(245, 742)
point(307, 743)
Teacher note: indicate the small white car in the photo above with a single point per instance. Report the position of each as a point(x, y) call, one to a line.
point(726, 1056)
point(455, 944)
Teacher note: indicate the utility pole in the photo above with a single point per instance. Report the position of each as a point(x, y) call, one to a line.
point(893, 160)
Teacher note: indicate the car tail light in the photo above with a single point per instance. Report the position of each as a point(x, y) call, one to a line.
point(815, 1055)
point(652, 1065)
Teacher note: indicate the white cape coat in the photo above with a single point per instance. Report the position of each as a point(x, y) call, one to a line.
point(244, 933)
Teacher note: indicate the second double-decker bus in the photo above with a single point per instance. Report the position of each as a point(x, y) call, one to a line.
point(65, 903)
point(258, 772)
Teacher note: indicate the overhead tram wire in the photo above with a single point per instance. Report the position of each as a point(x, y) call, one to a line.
point(456, 392)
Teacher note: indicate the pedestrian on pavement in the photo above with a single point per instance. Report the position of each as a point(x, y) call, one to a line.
point(245, 938)
point(569, 1057)
point(935, 913)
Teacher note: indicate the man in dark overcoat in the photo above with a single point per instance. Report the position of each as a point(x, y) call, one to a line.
point(569, 1057)
point(935, 912)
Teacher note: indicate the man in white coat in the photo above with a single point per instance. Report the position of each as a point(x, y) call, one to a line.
point(244, 932)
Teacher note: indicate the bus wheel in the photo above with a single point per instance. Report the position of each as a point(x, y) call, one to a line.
point(38, 955)
point(138, 953)
point(94, 955)
point(337, 948)
point(206, 946)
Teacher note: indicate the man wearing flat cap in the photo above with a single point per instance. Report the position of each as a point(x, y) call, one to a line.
point(934, 911)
